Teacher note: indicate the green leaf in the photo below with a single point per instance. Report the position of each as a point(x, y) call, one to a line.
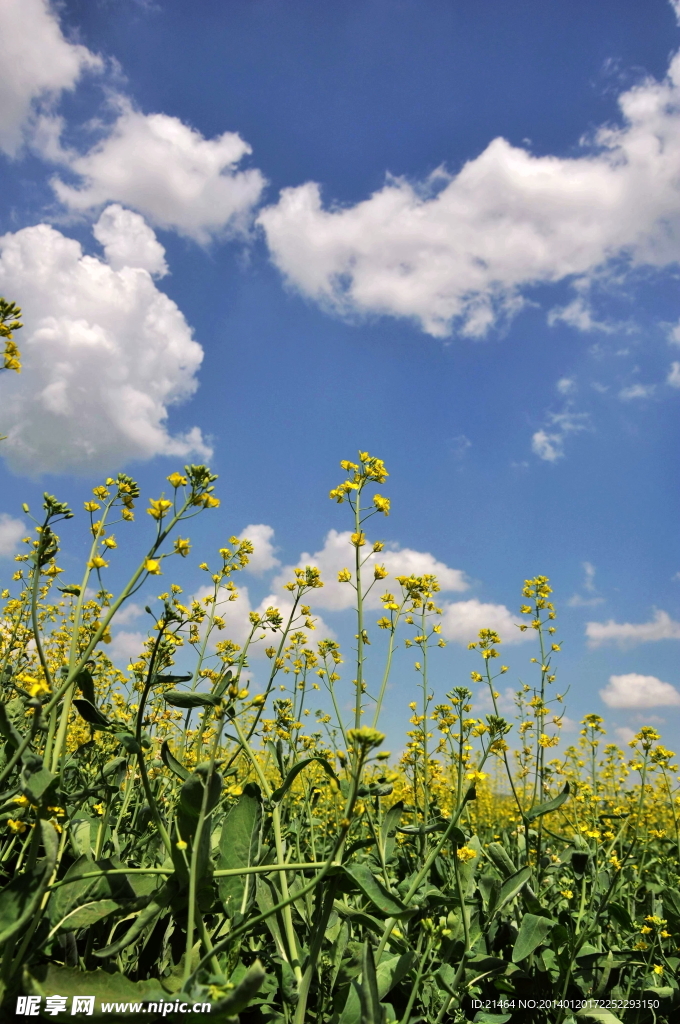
point(75, 890)
point(511, 886)
point(388, 829)
point(532, 932)
point(85, 684)
point(238, 849)
point(112, 766)
point(70, 588)
point(185, 699)
point(456, 834)
point(159, 902)
point(295, 771)
point(482, 1017)
point(374, 890)
point(91, 713)
point(621, 916)
point(172, 763)
point(46, 979)
point(7, 729)
point(129, 742)
point(671, 901)
point(549, 805)
point(157, 680)
point(388, 973)
point(371, 1010)
point(21, 897)
point(86, 915)
point(598, 1013)
point(35, 785)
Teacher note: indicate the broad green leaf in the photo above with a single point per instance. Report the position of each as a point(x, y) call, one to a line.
point(157, 680)
point(85, 684)
point(7, 729)
point(91, 713)
point(388, 829)
point(598, 1013)
point(671, 901)
point(113, 766)
point(388, 973)
point(76, 890)
point(186, 699)
point(129, 742)
point(483, 1017)
point(35, 785)
point(621, 916)
point(532, 932)
point(172, 763)
point(21, 897)
point(295, 771)
point(160, 901)
point(434, 826)
point(85, 915)
point(511, 886)
point(374, 890)
point(238, 849)
point(549, 805)
point(191, 800)
point(371, 1010)
point(46, 979)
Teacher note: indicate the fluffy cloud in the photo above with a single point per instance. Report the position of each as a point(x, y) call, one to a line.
point(662, 627)
point(462, 621)
point(128, 241)
point(637, 691)
point(105, 353)
point(37, 64)
point(125, 647)
point(548, 443)
point(263, 558)
point(673, 377)
point(11, 531)
point(338, 552)
point(168, 171)
point(457, 250)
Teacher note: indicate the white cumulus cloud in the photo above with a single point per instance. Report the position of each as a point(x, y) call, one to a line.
point(105, 354)
point(128, 241)
point(338, 553)
point(457, 250)
point(263, 557)
point(661, 627)
point(462, 621)
point(673, 377)
point(38, 63)
point(637, 691)
point(11, 531)
point(168, 172)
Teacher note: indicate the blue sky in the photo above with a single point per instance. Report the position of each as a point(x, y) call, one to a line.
point(445, 232)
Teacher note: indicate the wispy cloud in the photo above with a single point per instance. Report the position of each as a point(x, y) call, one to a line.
point(578, 601)
point(627, 634)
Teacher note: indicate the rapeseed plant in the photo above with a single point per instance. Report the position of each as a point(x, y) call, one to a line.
point(170, 834)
